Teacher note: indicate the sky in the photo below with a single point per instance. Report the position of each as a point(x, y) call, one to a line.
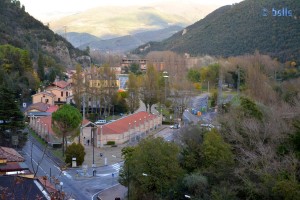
point(46, 10)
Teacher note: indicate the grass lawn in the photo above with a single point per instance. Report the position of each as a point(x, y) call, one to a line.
point(55, 151)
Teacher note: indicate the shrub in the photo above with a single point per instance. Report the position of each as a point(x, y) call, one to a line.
point(75, 151)
point(111, 143)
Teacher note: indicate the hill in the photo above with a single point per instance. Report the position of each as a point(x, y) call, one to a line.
point(21, 30)
point(240, 29)
point(124, 43)
point(109, 22)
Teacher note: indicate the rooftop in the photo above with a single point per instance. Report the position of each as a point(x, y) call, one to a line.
point(10, 154)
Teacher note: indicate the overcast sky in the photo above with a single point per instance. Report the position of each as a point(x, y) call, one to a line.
point(45, 10)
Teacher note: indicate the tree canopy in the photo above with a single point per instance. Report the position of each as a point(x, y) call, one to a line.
point(66, 122)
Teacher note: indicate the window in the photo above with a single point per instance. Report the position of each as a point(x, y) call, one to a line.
point(67, 94)
point(62, 94)
point(46, 100)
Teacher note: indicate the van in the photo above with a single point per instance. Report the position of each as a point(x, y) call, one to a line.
point(100, 121)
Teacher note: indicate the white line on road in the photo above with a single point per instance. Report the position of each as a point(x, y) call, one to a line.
point(104, 190)
point(36, 163)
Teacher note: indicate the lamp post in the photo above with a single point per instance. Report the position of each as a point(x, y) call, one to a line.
point(47, 132)
point(61, 186)
point(92, 142)
point(129, 132)
point(165, 77)
point(135, 130)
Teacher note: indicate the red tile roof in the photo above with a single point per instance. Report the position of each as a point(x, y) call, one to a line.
point(52, 109)
point(42, 107)
point(61, 84)
point(122, 125)
point(45, 93)
point(10, 154)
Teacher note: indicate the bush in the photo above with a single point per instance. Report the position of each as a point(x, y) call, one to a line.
point(75, 151)
point(111, 143)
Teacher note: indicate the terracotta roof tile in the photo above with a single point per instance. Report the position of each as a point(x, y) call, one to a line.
point(45, 93)
point(122, 125)
point(10, 154)
point(61, 84)
point(42, 107)
point(52, 108)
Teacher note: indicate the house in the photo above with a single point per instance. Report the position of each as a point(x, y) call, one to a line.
point(11, 162)
point(43, 97)
point(16, 187)
point(55, 94)
point(40, 109)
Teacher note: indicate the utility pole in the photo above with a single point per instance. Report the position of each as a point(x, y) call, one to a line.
point(220, 88)
point(238, 81)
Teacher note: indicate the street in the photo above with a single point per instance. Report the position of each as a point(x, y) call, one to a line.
point(75, 185)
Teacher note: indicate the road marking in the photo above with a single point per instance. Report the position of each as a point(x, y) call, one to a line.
point(116, 166)
point(67, 175)
point(37, 164)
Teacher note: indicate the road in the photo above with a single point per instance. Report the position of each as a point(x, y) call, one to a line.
point(81, 187)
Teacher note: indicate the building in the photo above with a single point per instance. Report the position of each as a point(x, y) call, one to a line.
point(55, 94)
point(16, 187)
point(11, 162)
point(40, 109)
point(126, 63)
point(130, 128)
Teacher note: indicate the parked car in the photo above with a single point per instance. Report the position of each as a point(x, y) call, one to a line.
point(175, 126)
point(100, 121)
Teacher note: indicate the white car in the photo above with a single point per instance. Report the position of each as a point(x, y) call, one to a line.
point(175, 126)
point(101, 121)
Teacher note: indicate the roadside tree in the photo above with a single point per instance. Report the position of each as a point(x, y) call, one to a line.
point(75, 151)
point(149, 89)
point(154, 169)
point(66, 122)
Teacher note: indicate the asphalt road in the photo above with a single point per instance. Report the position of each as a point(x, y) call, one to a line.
point(82, 187)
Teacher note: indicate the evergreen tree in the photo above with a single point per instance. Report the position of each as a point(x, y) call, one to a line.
point(41, 70)
point(11, 119)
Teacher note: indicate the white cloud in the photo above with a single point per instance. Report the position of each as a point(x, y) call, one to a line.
point(45, 10)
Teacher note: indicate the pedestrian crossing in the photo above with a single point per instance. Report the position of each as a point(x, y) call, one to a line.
point(116, 167)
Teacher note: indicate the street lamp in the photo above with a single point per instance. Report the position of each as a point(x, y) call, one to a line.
point(129, 132)
point(47, 132)
point(165, 77)
point(187, 196)
point(93, 129)
point(61, 186)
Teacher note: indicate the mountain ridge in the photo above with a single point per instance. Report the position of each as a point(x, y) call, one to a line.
point(238, 29)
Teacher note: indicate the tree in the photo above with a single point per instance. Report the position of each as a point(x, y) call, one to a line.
point(250, 109)
point(66, 122)
point(149, 89)
point(11, 119)
point(133, 96)
point(135, 68)
point(191, 139)
point(154, 169)
point(216, 153)
point(41, 70)
point(75, 151)
point(78, 86)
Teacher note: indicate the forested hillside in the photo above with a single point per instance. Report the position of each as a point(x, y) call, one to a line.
point(239, 29)
point(21, 30)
